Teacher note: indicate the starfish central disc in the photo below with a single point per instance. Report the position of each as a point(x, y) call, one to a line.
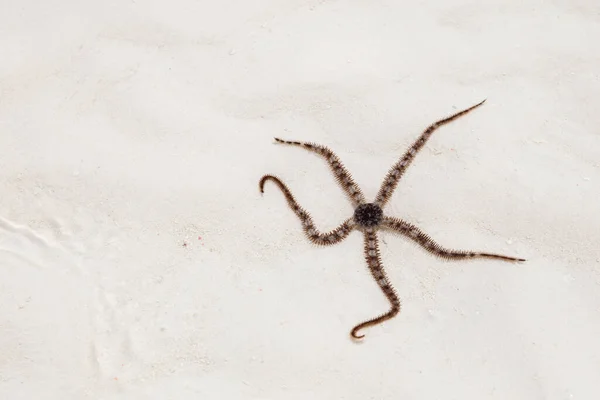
point(368, 215)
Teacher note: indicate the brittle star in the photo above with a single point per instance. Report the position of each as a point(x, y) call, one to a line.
point(369, 218)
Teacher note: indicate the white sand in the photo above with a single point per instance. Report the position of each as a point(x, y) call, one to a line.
point(130, 128)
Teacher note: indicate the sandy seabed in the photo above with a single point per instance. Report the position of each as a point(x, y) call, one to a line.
point(138, 259)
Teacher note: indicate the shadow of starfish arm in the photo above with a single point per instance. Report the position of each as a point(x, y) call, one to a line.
point(373, 260)
point(313, 234)
point(424, 240)
point(395, 173)
point(340, 173)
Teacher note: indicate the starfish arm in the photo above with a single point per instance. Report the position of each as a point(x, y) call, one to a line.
point(376, 267)
point(395, 173)
point(424, 240)
point(339, 171)
point(313, 234)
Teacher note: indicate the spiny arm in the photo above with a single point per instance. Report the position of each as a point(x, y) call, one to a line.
point(395, 173)
point(339, 171)
point(376, 267)
point(313, 234)
point(424, 240)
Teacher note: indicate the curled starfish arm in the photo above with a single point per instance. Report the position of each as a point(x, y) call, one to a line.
point(424, 240)
point(376, 267)
point(342, 175)
point(397, 171)
point(314, 235)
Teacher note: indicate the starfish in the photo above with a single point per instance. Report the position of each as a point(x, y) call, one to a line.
point(369, 217)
